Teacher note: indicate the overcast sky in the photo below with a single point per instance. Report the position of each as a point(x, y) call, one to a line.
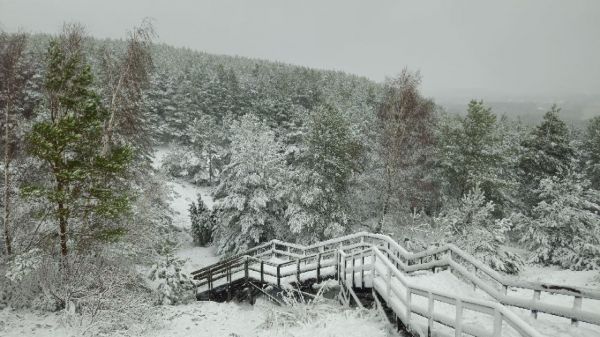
point(476, 47)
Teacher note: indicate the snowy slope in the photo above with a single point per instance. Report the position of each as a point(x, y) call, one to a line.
point(183, 194)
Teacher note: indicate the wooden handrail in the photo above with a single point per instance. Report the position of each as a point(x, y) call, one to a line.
point(455, 258)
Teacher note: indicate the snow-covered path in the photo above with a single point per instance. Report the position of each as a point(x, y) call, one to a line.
point(183, 194)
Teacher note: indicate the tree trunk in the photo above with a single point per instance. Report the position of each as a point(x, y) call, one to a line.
point(62, 222)
point(7, 238)
point(386, 202)
point(209, 168)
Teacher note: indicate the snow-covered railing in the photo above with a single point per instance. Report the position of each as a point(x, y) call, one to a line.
point(468, 267)
point(401, 296)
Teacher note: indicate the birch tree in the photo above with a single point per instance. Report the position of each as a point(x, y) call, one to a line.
point(13, 78)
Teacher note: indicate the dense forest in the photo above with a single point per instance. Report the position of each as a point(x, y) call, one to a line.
point(292, 153)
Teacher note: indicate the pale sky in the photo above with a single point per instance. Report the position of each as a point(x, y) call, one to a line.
point(473, 47)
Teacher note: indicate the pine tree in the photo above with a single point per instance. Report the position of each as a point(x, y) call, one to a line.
point(202, 224)
point(475, 150)
point(547, 153)
point(248, 199)
point(69, 142)
point(318, 201)
point(472, 227)
point(564, 227)
point(592, 152)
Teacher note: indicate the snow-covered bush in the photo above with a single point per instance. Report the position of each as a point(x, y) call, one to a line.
point(472, 227)
point(181, 162)
point(202, 222)
point(93, 293)
point(564, 228)
point(23, 264)
point(172, 285)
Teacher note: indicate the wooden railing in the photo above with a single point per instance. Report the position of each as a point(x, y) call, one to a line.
point(399, 294)
point(448, 256)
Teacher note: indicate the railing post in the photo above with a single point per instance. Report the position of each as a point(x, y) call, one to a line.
point(298, 271)
point(319, 268)
point(262, 272)
point(246, 276)
point(337, 265)
point(345, 266)
point(430, 314)
point(576, 309)
point(389, 285)
point(408, 305)
point(229, 283)
point(279, 276)
point(458, 319)
point(497, 323)
point(362, 269)
point(353, 271)
point(536, 298)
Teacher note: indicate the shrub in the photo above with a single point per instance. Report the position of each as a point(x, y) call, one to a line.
point(172, 285)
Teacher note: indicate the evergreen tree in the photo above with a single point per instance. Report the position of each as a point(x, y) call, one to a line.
point(69, 142)
point(248, 198)
point(472, 227)
point(592, 152)
point(318, 202)
point(547, 153)
point(473, 152)
point(564, 227)
point(202, 224)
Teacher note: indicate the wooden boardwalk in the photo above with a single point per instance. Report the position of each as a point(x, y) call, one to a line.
point(375, 265)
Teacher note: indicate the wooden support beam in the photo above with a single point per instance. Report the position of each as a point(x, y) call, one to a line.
point(319, 268)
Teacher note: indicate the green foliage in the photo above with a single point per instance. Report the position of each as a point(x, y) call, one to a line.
point(318, 201)
point(173, 286)
point(248, 198)
point(68, 141)
point(592, 152)
point(472, 227)
point(202, 223)
point(547, 153)
point(475, 150)
point(564, 227)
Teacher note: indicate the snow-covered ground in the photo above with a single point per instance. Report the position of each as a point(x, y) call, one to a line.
point(183, 194)
point(265, 319)
point(211, 319)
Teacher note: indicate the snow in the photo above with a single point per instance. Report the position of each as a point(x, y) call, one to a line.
point(230, 319)
point(32, 324)
point(211, 319)
point(552, 325)
point(183, 194)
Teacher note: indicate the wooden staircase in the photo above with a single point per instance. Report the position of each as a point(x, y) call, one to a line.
point(373, 268)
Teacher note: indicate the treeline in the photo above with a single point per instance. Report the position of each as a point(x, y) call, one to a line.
point(295, 154)
point(329, 153)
